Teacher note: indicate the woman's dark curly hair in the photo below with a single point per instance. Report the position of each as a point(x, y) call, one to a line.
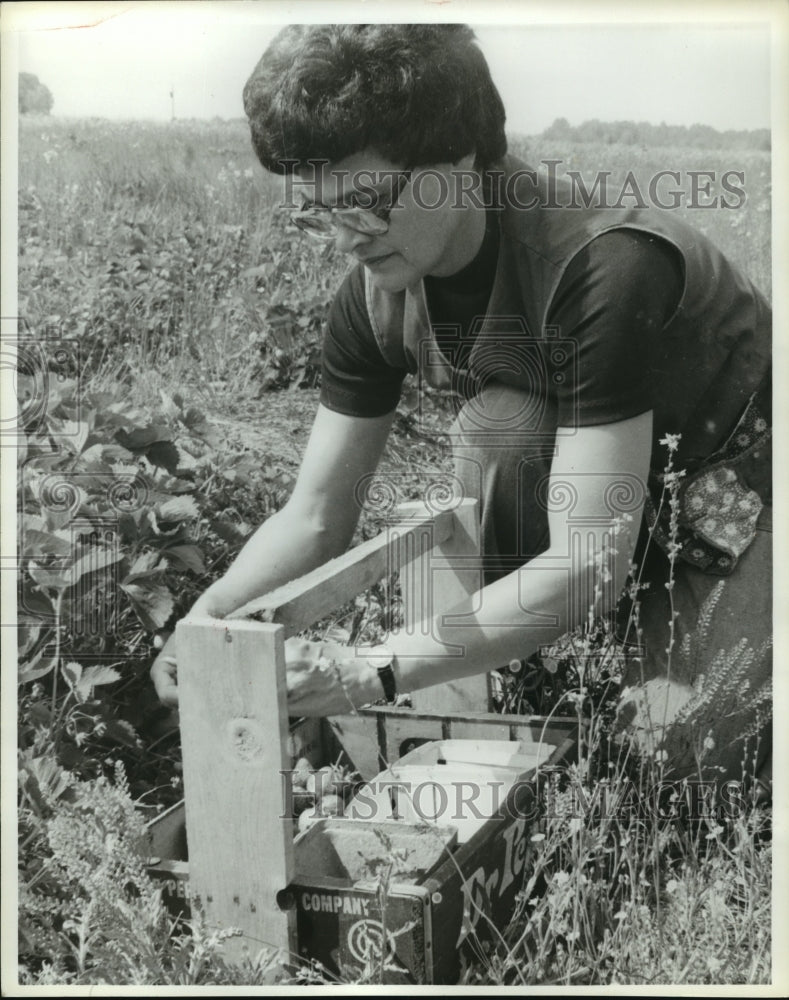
point(415, 93)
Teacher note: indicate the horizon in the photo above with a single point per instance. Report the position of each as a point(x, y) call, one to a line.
point(242, 120)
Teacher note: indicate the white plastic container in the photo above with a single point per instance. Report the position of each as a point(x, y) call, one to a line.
point(459, 783)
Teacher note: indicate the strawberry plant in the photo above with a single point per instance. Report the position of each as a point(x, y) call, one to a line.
point(123, 520)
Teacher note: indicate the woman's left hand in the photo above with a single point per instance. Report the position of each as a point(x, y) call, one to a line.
point(326, 678)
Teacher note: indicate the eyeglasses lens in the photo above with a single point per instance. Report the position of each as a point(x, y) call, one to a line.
point(321, 222)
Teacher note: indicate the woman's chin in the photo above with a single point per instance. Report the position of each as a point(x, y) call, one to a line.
point(390, 277)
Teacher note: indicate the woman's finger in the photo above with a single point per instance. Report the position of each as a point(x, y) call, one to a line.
point(164, 674)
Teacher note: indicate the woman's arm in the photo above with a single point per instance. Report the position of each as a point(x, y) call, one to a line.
point(317, 522)
point(511, 618)
point(315, 525)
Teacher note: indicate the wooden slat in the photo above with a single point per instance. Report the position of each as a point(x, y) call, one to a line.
point(435, 579)
point(234, 727)
point(167, 834)
point(463, 730)
point(298, 604)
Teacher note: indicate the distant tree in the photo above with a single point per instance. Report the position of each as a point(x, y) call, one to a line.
point(559, 130)
point(34, 96)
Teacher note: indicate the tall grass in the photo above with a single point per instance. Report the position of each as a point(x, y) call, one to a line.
point(166, 250)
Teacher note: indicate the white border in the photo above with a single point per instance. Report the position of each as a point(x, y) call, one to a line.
point(15, 17)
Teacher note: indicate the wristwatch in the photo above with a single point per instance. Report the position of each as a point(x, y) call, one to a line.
point(383, 660)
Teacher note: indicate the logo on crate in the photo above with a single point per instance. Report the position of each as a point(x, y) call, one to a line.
point(365, 941)
point(486, 886)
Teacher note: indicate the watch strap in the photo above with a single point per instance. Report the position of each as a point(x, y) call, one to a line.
point(388, 683)
point(383, 661)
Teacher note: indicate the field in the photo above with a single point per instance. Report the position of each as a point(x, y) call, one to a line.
point(170, 321)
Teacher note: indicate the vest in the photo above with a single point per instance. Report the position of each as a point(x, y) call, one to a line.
point(711, 358)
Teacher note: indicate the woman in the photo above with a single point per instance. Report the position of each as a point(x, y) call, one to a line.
point(589, 344)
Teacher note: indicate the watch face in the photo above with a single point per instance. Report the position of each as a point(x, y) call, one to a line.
point(381, 660)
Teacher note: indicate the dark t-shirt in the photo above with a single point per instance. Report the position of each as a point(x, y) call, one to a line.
point(615, 293)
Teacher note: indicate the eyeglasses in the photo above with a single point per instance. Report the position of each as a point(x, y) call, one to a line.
point(371, 219)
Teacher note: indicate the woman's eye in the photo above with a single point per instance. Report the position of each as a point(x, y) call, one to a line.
point(312, 206)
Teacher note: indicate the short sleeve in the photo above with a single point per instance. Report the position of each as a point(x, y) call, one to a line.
point(612, 301)
point(355, 377)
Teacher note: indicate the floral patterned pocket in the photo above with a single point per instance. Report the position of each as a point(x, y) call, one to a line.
point(717, 510)
point(720, 511)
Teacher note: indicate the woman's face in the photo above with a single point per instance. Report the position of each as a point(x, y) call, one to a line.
point(433, 228)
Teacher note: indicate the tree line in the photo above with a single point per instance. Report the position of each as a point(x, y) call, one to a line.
point(646, 134)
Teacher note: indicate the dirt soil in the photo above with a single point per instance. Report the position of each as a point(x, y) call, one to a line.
point(277, 425)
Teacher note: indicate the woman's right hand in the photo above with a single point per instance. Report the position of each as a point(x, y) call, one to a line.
point(164, 669)
point(164, 674)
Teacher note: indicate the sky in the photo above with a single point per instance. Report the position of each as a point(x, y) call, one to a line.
point(122, 60)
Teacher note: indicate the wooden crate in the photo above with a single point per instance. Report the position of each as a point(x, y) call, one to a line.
point(237, 740)
point(409, 928)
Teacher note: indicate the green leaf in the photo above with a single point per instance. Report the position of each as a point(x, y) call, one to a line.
point(152, 602)
point(49, 578)
point(143, 437)
point(145, 565)
point(230, 531)
point(35, 602)
point(40, 713)
point(194, 418)
point(122, 732)
point(27, 635)
point(181, 508)
point(94, 677)
point(44, 781)
point(36, 668)
point(49, 543)
point(93, 561)
point(75, 434)
point(72, 673)
point(189, 556)
point(33, 522)
point(164, 454)
point(92, 459)
point(117, 453)
point(129, 526)
point(169, 406)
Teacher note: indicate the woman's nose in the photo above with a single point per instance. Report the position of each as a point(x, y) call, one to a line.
point(348, 239)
